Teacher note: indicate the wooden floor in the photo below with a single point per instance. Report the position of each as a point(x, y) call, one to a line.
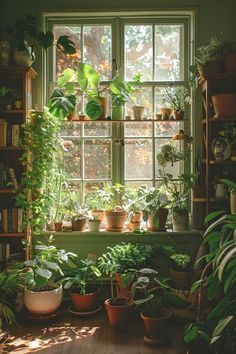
point(90, 335)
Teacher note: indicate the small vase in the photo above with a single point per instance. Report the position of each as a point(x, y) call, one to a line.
point(24, 57)
point(138, 112)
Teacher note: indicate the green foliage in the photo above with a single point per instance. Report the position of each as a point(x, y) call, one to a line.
point(42, 152)
point(123, 258)
point(44, 269)
point(230, 184)
point(180, 260)
point(61, 105)
point(25, 32)
point(177, 98)
point(3, 91)
point(170, 154)
point(95, 200)
point(155, 199)
point(228, 132)
point(81, 275)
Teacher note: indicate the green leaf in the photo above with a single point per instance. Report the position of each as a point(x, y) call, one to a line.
point(87, 77)
point(66, 45)
point(45, 40)
point(230, 184)
point(212, 216)
point(222, 324)
point(94, 109)
point(67, 75)
point(60, 106)
point(44, 273)
point(225, 260)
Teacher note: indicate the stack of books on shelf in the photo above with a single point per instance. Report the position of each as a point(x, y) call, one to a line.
point(9, 134)
point(8, 177)
point(11, 220)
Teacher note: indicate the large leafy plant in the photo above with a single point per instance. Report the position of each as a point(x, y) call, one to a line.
point(155, 199)
point(78, 279)
point(44, 270)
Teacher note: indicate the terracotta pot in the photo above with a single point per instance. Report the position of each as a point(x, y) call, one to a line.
point(58, 226)
point(133, 225)
point(87, 302)
point(181, 280)
point(212, 68)
point(124, 292)
point(72, 116)
point(180, 221)
point(179, 115)
point(138, 112)
point(44, 302)
point(224, 105)
point(94, 226)
point(156, 326)
point(166, 112)
point(162, 217)
point(115, 220)
point(230, 63)
point(99, 214)
point(233, 202)
point(120, 315)
point(137, 217)
point(104, 107)
point(78, 224)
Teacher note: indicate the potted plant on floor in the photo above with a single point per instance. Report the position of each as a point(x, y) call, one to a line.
point(177, 98)
point(85, 297)
point(155, 211)
point(121, 260)
point(43, 291)
point(181, 272)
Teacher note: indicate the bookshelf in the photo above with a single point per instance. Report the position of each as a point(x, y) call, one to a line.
point(18, 81)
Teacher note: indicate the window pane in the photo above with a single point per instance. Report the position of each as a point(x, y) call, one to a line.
point(97, 49)
point(173, 170)
point(67, 61)
point(143, 97)
point(71, 129)
point(97, 159)
point(138, 51)
point(97, 129)
point(75, 188)
point(138, 158)
point(168, 40)
point(138, 129)
point(73, 157)
point(167, 128)
point(90, 187)
point(138, 184)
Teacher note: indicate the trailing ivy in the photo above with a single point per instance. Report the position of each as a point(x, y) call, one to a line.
point(41, 148)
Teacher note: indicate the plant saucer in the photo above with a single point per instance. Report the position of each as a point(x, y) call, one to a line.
point(154, 340)
point(73, 311)
point(41, 318)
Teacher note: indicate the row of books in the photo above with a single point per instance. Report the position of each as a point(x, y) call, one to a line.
point(11, 220)
point(7, 177)
point(9, 134)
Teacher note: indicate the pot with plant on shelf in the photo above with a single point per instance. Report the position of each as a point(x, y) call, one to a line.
point(178, 98)
point(134, 203)
point(96, 204)
point(94, 223)
point(77, 279)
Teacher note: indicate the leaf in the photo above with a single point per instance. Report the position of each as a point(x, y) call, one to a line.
point(45, 40)
point(52, 265)
point(225, 261)
point(94, 109)
point(87, 77)
point(44, 273)
point(230, 184)
point(212, 216)
point(66, 45)
point(60, 106)
point(221, 325)
point(67, 75)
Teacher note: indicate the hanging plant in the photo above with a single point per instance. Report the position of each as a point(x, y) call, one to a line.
point(40, 144)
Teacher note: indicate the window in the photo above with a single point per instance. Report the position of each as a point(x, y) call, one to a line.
point(108, 152)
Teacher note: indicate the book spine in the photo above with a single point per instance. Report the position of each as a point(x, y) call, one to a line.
point(19, 220)
point(13, 178)
point(9, 220)
point(15, 219)
point(9, 135)
point(4, 221)
point(15, 135)
point(1, 132)
point(5, 125)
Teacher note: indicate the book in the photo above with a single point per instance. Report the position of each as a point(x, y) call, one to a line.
point(4, 221)
point(2, 132)
point(13, 179)
point(15, 135)
point(19, 220)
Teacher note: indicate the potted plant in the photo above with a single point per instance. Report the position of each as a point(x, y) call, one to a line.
point(95, 202)
point(85, 298)
point(79, 217)
point(26, 36)
point(181, 272)
point(178, 98)
point(232, 188)
point(121, 260)
point(43, 291)
point(228, 132)
point(155, 211)
point(94, 223)
point(134, 201)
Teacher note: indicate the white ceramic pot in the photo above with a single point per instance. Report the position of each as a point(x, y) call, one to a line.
point(24, 57)
point(138, 112)
point(180, 222)
point(94, 226)
point(44, 302)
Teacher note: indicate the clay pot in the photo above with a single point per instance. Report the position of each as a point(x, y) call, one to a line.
point(211, 68)
point(233, 202)
point(156, 326)
point(166, 112)
point(78, 224)
point(115, 220)
point(133, 225)
point(138, 112)
point(181, 280)
point(87, 302)
point(58, 226)
point(104, 107)
point(120, 313)
point(230, 63)
point(99, 214)
point(72, 116)
point(137, 217)
point(44, 302)
point(162, 217)
point(179, 115)
point(180, 221)
point(224, 104)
